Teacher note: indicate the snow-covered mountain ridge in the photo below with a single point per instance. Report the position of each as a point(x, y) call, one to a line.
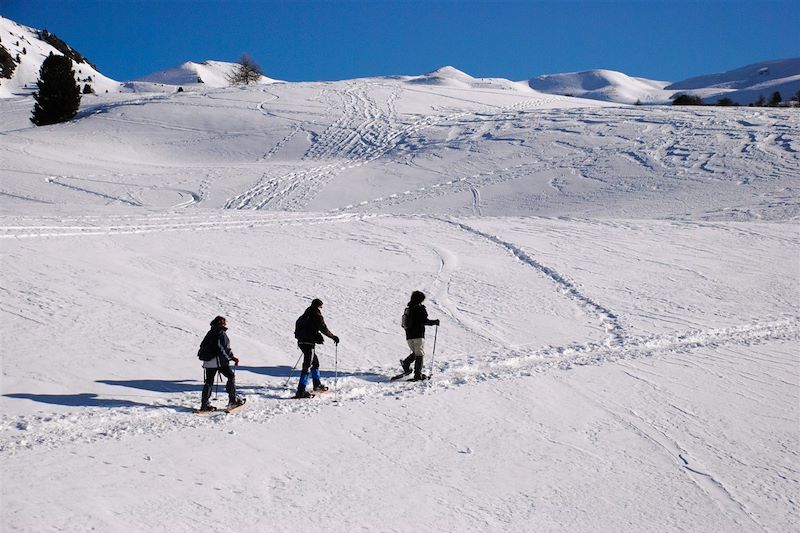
point(24, 49)
point(743, 85)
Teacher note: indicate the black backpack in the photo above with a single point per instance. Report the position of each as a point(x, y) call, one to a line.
point(206, 352)
point(300, 325)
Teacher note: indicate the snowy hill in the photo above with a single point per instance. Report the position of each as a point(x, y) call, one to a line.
point(616, 285)
point(31, 47)
point(744, 85)
point(212, 74)
point(606, 85)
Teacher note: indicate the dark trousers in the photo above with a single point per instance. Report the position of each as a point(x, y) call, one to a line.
point(230, 386)
point(310, 362)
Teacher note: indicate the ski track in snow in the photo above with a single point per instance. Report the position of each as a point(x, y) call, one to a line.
point(89, 226)
point(21, 433)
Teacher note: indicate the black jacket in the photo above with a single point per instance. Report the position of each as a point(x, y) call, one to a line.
point(216, 344)
point(417, 320)
point(310, 326)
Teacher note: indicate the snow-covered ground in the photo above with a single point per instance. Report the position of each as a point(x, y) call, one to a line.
point(618, 290)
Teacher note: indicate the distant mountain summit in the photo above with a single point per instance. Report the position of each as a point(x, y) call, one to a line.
point(607, 85)
point(24, 49)
point(452, 77)
point(744, 85)
point(207, 73)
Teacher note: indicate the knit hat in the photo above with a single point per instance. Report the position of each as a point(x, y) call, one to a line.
point(417, 297)
point(316, 302)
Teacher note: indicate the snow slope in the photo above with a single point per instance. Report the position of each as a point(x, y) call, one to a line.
point(607, 85)
point(744, 85)
point(617, 289)
point(24, 42)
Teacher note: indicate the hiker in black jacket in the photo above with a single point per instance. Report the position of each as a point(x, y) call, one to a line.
point(308, 331)
point(415, 320)
point(215, 352)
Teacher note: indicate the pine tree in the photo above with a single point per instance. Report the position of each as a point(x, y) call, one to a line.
point(246, 72)
point(58, 97)
point(775, 100)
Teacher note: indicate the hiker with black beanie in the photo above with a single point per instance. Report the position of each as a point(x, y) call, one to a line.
point(415, 319)
point(308, 331)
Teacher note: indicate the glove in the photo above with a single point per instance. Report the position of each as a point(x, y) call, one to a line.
point(335, 339)
point(235, 361)
point(436, 322)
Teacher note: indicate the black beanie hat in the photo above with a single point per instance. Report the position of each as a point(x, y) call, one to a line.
point(417, 297)
point(316, 302)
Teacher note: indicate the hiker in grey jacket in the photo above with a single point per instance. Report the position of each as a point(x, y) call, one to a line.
point(216, 354)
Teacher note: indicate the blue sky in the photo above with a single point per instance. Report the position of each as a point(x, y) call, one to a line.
point(329, 40)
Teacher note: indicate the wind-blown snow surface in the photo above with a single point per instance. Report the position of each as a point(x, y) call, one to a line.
point(617, 288)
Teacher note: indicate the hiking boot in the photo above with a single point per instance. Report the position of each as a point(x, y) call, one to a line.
point(406, 363)
point(207, 407)
point(236, 403)
point(421, 377)
point(303, 394)
point(320, 387)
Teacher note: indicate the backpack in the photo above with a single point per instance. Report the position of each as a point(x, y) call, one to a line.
point(204, 354)
point(299, 326)
point(405, 320)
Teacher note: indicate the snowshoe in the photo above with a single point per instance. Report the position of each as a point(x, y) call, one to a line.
point(207, 410)
point(303, 394)
point(235, 405)
point(421, 377)
point(320, 388)
point(401, 375)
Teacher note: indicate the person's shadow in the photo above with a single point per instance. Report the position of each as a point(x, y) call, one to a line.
point(285, 371)
point(77, 400)
point(156, 385)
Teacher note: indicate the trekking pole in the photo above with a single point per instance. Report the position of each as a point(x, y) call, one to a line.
point(336, 374)
point(292, 370)
point(433, 353)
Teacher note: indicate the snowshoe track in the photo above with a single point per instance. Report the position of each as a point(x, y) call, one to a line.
point(22, 433)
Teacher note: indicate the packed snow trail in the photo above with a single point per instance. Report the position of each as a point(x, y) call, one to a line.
point(271, 400)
